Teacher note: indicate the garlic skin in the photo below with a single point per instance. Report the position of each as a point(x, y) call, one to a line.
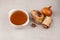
point(37, 16)
point(47, 11)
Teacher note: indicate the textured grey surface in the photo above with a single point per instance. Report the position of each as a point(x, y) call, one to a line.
point(7, 32)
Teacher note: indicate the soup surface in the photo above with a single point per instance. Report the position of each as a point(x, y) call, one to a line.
point(18, 17)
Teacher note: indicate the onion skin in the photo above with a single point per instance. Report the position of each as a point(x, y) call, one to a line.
point(47, 11)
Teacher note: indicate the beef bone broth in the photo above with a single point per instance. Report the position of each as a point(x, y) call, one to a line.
point(18, 17)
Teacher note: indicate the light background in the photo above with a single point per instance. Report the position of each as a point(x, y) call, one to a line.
point(7, 32)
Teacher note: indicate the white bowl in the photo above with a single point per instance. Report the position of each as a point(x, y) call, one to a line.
point(11, 12)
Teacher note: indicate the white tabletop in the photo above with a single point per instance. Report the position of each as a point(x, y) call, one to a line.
point(7, 32)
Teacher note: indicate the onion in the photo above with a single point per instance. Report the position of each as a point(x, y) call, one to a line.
point(47, 11)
